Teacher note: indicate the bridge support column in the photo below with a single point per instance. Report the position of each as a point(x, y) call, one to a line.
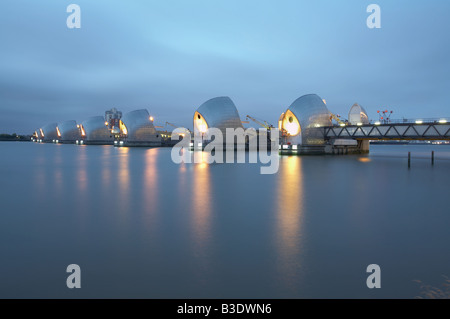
point(364, 146)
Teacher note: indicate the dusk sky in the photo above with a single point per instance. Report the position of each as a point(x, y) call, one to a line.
point(171, 56)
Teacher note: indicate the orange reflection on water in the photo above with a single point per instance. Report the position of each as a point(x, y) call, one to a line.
point(57, 171)
point(82, 179)
point(364, 159)
point(124, 178)
point(201, 158)
point(201, 202)
point(290, 214)
point(151, 177)
point(106, 169)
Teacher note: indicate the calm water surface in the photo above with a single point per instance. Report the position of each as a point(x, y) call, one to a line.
point(141, 226)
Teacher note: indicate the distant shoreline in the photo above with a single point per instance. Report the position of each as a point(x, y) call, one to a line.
point(15, 138)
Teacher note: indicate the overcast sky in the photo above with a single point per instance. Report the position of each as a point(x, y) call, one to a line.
point(171, 56)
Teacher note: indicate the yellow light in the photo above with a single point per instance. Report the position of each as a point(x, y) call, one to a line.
point(200, 123)
point(280, 121)
point(419, 122)
point(151, 118)
point(359, 124)
point(123, 128)
point(58, 132)
point(290, 123)
point(83, 133)
point(443, 121)
point(78, 125)
point(42, 132)
point(377, 123)
point(342, 124)
point(106, 123)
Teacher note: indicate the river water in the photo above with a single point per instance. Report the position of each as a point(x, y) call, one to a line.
point(141, 226)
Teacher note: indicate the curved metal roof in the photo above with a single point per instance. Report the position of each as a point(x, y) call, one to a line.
point(49, 132)
point(357, 114)
point(311, 114)
point(219, 112)
point(69, 131)
point(139, 127)
point(96, 130)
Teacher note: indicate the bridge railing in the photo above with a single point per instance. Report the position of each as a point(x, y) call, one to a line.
point(438, 120)
point(413, 121)
point(431, 129)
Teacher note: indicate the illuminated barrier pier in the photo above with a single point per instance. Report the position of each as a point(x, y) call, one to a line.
point(68, 132)
point(137, 129)
point(220, 113)
point(48, 133)
point(301, 126)
point(94, 131)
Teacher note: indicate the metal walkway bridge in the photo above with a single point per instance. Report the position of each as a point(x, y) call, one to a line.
point(430, 129)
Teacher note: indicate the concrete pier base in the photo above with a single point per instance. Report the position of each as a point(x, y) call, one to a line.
point(336, 147)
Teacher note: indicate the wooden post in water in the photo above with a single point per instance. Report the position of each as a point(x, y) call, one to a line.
point(409, 159)
point(432, 157)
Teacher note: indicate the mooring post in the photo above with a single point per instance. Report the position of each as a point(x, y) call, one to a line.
point(432, 157)
point(409, 159)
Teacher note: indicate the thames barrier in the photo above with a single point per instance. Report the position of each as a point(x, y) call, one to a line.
point(307, 126)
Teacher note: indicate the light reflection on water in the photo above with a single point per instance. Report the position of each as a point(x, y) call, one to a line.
point(201, 203)
point(289, 217)
point(222, 230)
point(81, 171)
point(151, 177)
point(124, 188)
